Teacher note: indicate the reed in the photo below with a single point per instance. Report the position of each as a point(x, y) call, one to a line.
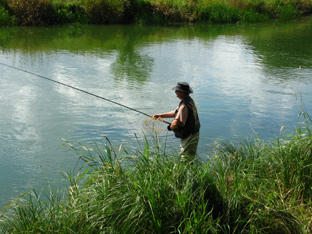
point(151, 195)
point(252, 187)
point(272, 179)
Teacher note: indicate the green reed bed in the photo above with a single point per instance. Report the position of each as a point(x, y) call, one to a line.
point(252, 187)
point(50, 12)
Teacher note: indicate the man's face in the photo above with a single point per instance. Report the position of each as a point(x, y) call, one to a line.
point(180, 94)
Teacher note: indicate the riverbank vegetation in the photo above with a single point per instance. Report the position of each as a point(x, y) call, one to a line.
point(252, 187)
point(51, 12)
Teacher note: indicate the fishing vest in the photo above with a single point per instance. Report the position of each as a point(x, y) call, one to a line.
point(192, 124)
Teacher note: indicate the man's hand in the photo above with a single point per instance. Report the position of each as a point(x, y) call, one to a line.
point(175, 124)
point(168, 127)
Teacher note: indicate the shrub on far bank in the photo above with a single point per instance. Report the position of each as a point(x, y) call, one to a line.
point(106, 11)
point(49, 12)
point(71, 12)
point(44, 12)
point(218, 14)
point(4, 16)
point(32, 12)
point(217, 11)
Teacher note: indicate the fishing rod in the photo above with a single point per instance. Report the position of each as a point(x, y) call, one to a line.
point(119, 104)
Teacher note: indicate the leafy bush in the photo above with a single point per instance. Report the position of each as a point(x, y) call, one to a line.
point(106, 11)
point(32, 12)
point(71, 12)
point(4, 16)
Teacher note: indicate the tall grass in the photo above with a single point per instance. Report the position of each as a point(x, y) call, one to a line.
point(273, 178)
point(253, 187)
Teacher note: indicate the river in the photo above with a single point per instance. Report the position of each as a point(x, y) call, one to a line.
point(249, 81)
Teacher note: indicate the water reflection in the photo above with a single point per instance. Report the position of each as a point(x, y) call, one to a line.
point(283, 45)
point(277, 45)
point(131, 65)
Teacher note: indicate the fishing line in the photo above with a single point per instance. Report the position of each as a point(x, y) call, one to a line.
point(43, 77)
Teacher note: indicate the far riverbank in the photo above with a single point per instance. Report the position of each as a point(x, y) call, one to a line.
point(58, 12)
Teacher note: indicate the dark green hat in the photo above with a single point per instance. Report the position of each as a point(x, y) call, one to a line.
point(183, 87)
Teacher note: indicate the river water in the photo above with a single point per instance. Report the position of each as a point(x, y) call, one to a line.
point(248, 80)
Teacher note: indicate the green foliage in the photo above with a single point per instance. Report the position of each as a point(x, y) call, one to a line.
point(46, 212)
point(48, 12)
point(4, 16)
point(269, 184)
point(71, 12)
point(287, 13)
point(153, 195)
point(296, 162)
point(106, 11)
point(247, 188)
point(252, 17)
point(32, 12)
point(218, 14)
point(166, 11)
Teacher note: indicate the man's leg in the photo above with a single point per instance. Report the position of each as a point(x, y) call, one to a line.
point(188, 147)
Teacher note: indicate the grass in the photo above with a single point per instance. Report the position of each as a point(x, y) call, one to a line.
point(253, 187)
point(50, 12)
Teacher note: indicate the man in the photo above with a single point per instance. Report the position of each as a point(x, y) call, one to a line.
point(186, 122)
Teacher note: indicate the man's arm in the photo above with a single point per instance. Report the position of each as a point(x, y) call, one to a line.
point(181, 117)
point(165, 115)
